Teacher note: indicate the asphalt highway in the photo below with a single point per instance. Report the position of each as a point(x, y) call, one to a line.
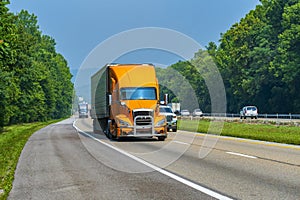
point(68, 161)
point(55, 164)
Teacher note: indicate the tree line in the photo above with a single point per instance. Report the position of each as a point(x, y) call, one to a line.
point(258, 58)
point(35, 80)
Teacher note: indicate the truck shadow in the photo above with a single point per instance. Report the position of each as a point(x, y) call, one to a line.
point(135, 139)
point(102, 136)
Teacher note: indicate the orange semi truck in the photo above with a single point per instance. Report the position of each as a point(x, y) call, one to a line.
point(125, 102)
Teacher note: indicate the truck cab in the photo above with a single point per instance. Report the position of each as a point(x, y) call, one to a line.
point(83, 110)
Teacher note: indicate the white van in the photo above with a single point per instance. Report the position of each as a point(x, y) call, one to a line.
point(249, 111)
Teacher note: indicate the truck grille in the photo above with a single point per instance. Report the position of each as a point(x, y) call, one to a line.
point(143, 118)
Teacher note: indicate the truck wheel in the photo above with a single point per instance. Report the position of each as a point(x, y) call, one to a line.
point(112, 135)
point(174, 129)
point(161, 138)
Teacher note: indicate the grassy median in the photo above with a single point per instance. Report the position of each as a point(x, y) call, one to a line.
point(12, 141)
point(265, 132)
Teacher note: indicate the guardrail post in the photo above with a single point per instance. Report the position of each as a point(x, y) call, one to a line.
point(266, 117)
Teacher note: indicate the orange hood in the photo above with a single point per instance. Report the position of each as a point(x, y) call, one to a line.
point(141, 104)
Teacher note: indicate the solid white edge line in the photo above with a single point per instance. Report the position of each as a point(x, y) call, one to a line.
point(240, 154)
point(173, 176)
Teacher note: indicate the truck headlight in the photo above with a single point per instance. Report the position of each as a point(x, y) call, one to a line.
point(123, 123)
point(161, 122)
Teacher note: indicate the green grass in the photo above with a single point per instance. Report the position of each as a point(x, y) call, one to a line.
point(265, 132)
point(12, 141)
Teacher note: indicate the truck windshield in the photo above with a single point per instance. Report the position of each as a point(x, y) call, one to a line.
point(141, 93)
point(82, 107)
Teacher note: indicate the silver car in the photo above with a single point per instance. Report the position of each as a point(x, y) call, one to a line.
point(185, 113)
point(197, 112)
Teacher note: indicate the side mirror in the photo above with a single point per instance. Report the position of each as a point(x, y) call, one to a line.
point(109, 99)
point(166, 99)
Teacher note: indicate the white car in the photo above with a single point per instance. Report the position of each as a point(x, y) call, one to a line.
point(185, 113)
point(197, 112)
point(170, 116)
point(249, 111)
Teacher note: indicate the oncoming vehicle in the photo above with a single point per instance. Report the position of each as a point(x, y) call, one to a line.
point(170, 116)
point(185, 113)
point(249, 111)
point(197, 112)
point(125, 103)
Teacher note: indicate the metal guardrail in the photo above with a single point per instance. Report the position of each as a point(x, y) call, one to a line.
point(278, 119)
point(267, 116)
point(280, 116)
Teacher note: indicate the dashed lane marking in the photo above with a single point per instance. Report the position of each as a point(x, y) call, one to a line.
point(242, 155)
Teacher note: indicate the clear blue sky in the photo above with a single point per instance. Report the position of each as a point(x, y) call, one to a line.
point(79, 25)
